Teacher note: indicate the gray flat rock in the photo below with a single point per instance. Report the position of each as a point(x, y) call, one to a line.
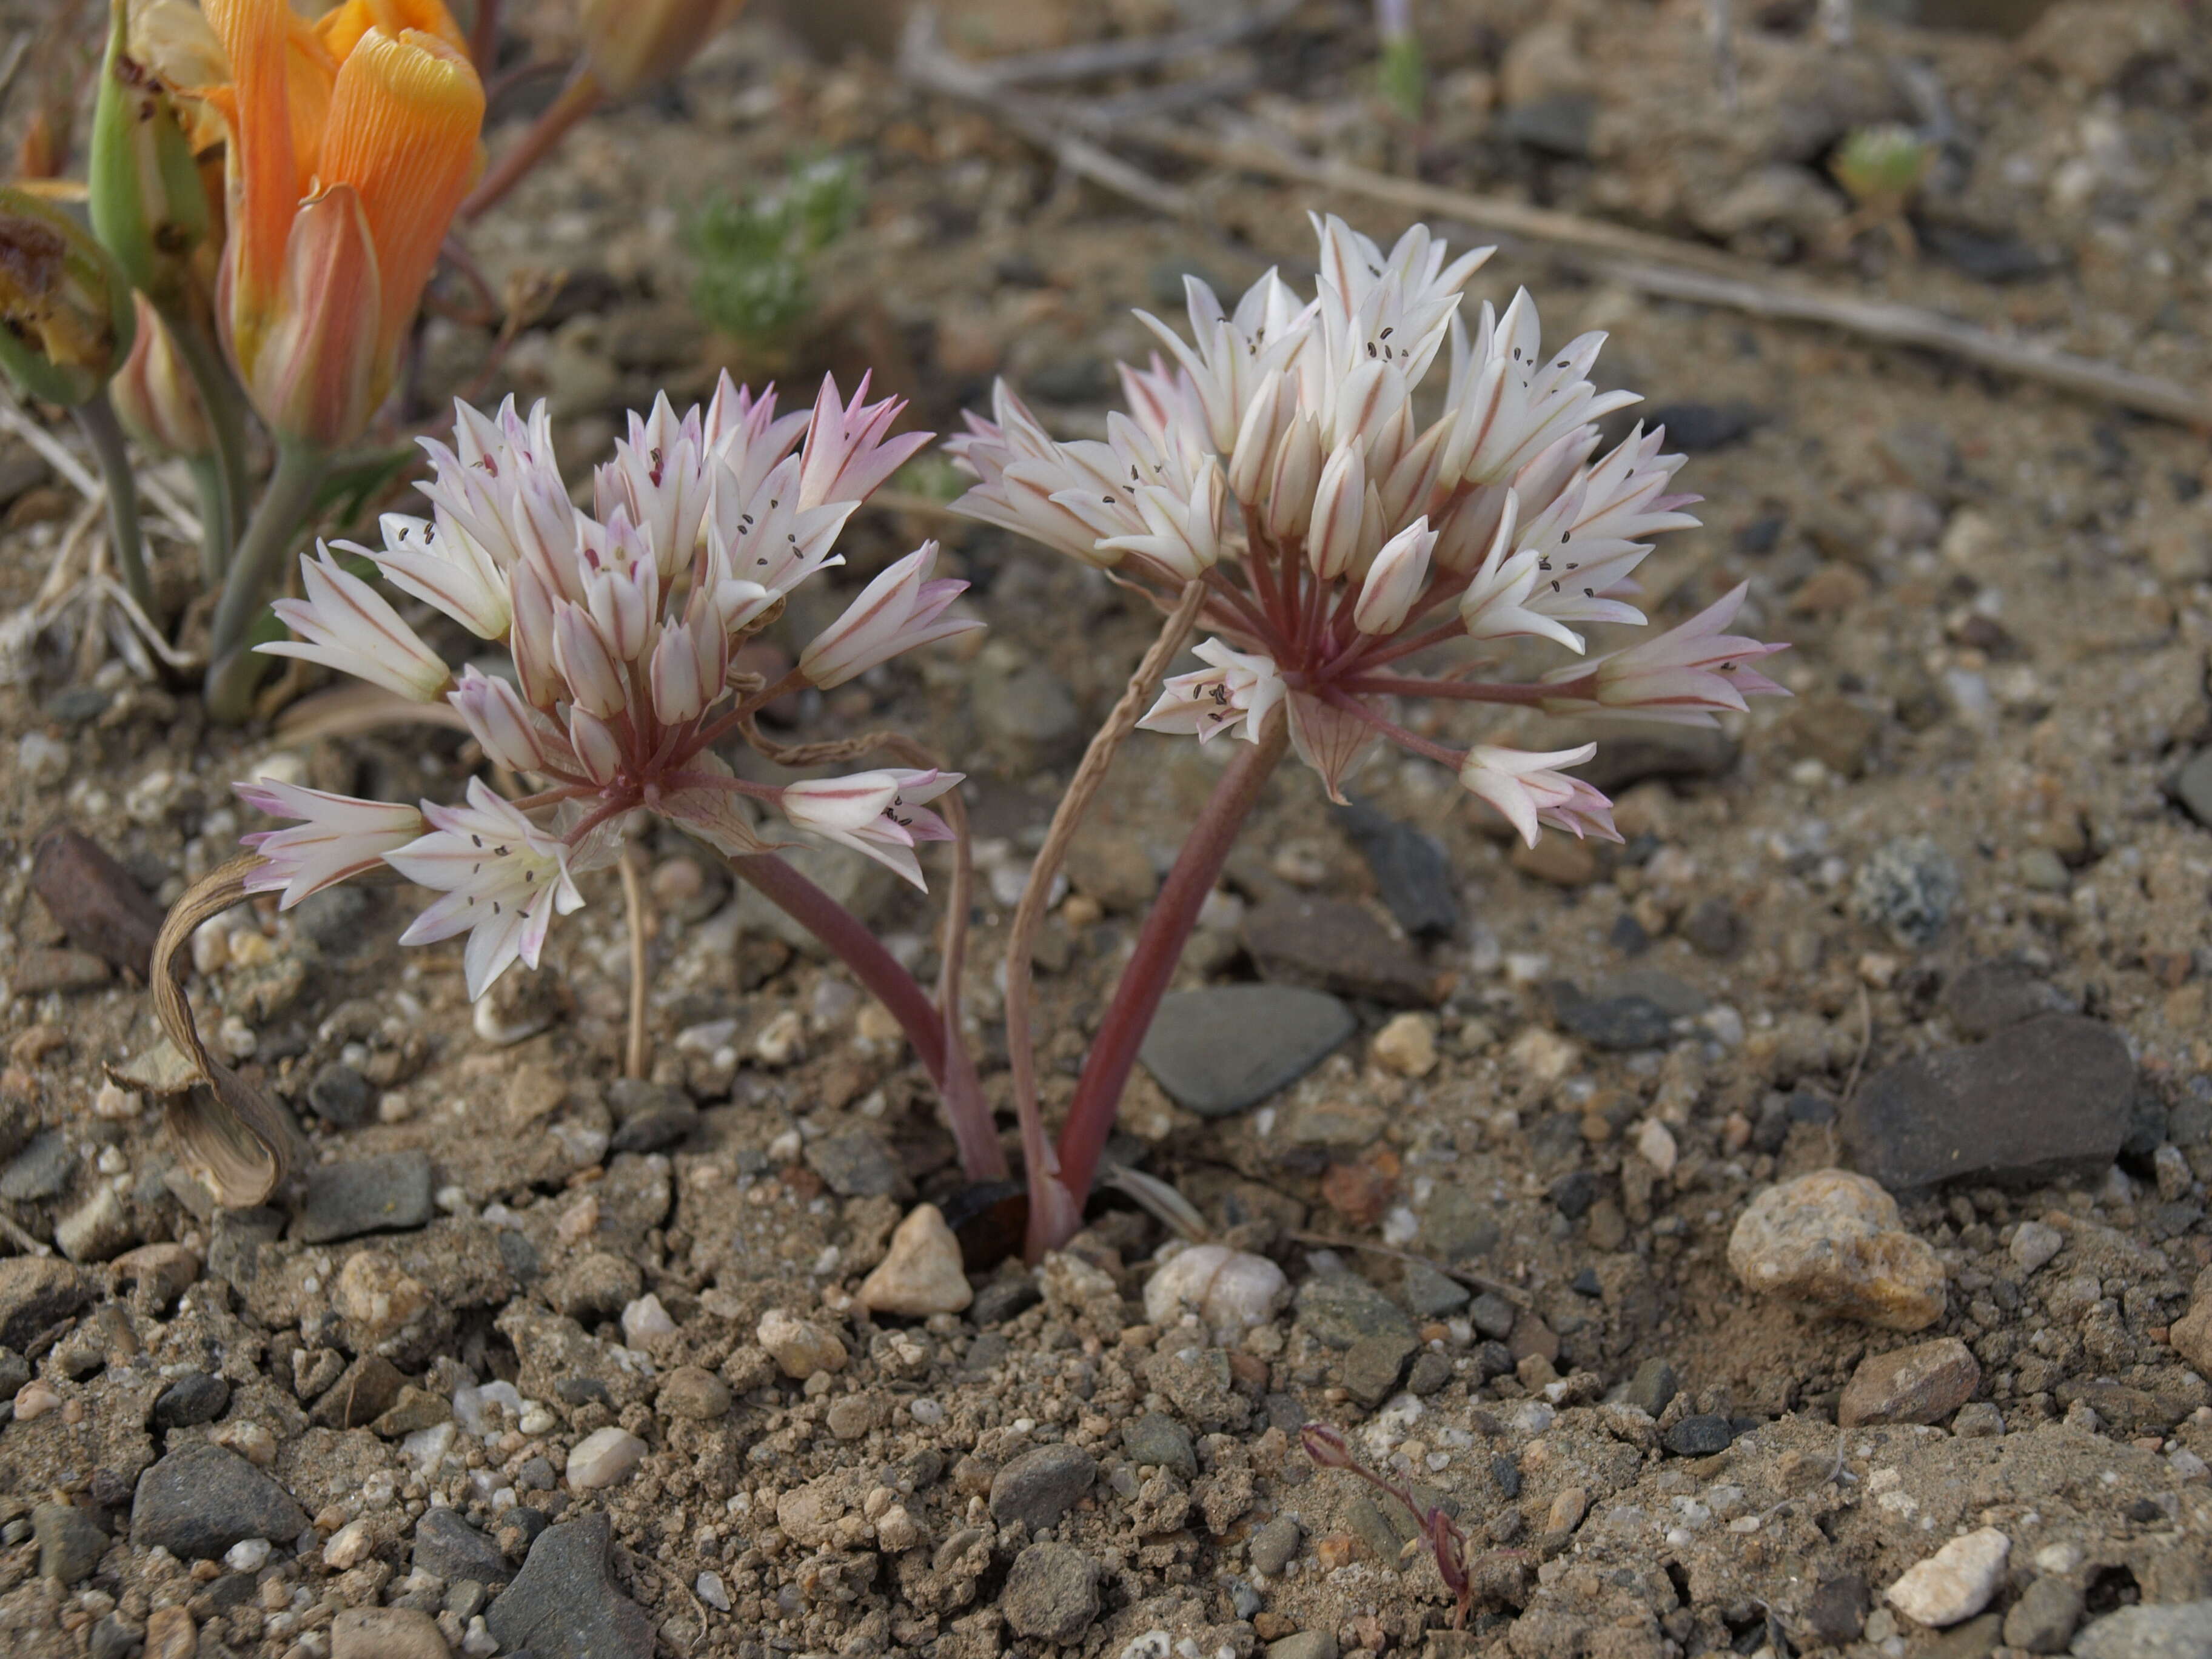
point(564, 1603)
point(1226, 1047)
point(2049, 1097)
point(390, 1193)
point(200, 1499)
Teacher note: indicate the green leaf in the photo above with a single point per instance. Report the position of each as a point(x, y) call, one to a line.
point(753, 255)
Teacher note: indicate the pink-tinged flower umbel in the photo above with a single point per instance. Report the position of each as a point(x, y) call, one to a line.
point(1356, 536)
point(622, 623)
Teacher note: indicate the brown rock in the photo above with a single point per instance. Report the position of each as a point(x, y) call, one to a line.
point(99, 903)
point(1923, 1383)
point(1559, 860)
point(1333, 946)
point(2190, 1335)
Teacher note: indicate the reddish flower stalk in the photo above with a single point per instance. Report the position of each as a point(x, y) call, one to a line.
point(1328, 1449)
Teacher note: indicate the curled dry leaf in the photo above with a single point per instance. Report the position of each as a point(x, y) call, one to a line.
point(241, 1142)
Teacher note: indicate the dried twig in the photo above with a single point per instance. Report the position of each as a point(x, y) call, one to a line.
point(1674, 270)
point(1333, 1241)
point(924, 60)
point(1021, 938)
point(634, 909)
point(1149, 51)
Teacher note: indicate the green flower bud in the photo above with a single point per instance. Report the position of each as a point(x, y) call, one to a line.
point(148, 202)
point(66, 322)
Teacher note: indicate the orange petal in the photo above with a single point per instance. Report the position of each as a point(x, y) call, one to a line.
point(404, 121)
point(313, 374)
point(264, 166)
point(342, 28)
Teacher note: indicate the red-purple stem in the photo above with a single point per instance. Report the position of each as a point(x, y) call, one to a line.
point(846, 938)
point(1144, 981)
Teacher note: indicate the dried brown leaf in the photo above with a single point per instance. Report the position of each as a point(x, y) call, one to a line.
point(239, 1140)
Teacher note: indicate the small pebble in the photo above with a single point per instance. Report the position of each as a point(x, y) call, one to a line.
point(603, 1458)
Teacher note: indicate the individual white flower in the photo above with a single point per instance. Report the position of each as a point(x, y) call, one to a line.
point(849, 451)
point(503, 878)
point(1397, 578)
point(346, 624)
point(589, 667)
point(511, 732)
point(660, 480)
point(439, 563)
point(1685, 676)
point(337, 836)
point(1510, 402)
point(1495, 605)
point(1236, 692)
point(880, 813)
point(902, 609)
point(1529, 789)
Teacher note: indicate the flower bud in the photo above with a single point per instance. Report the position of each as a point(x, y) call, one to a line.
point(1395, 580)
point(154, 395)
point(65, 318)
point(143, 187)
point(634, 43)
point(313, 375)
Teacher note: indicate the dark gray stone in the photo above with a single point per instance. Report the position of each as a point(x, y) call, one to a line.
point(112, 1638)
point(1051, 1594)
point(1673, 996)
point(1493, 1314)
point(1835, 1614)
point(1907, 886)
point(1574, 1192)
point(193, 1398)
point(391, 1193)
point(36, 1294)
point(1373, 1364)
point(856, 1165)
point(1041, 1485)
point(1432, 1370)
point(1651, 1387)
point(1003, 1297)
point(2047, 1098)
point(1620, 1023)
point(2192, 787)
point(1222, 1048)
point(564, 1603)
point(200, 1499)
point(2043, 1619)
point(1331, 945)
point(1628, 752)
point(449, 1547)
point(1989, 257)
point(341, 1097)
point(1712, 928)
point(1159, 1440)
point(1700, 1435)
point(1696, 428)
point(1413, 872)
point(41, 1171)
point(1986, 997)
point(1560, 123)
point(649, 1117)
point(1274, 1545)
point(1430, 1293)
point(332, 919)
point(70, 1542)
point(1459, 1226)
point(1339, 1308)
point(1505, 1475)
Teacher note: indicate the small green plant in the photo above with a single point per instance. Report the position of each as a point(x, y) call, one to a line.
point(754, 257)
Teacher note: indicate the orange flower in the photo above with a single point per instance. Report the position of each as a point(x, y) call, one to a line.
point(352, 142)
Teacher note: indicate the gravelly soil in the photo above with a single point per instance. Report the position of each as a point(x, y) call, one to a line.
point(1999, 600)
